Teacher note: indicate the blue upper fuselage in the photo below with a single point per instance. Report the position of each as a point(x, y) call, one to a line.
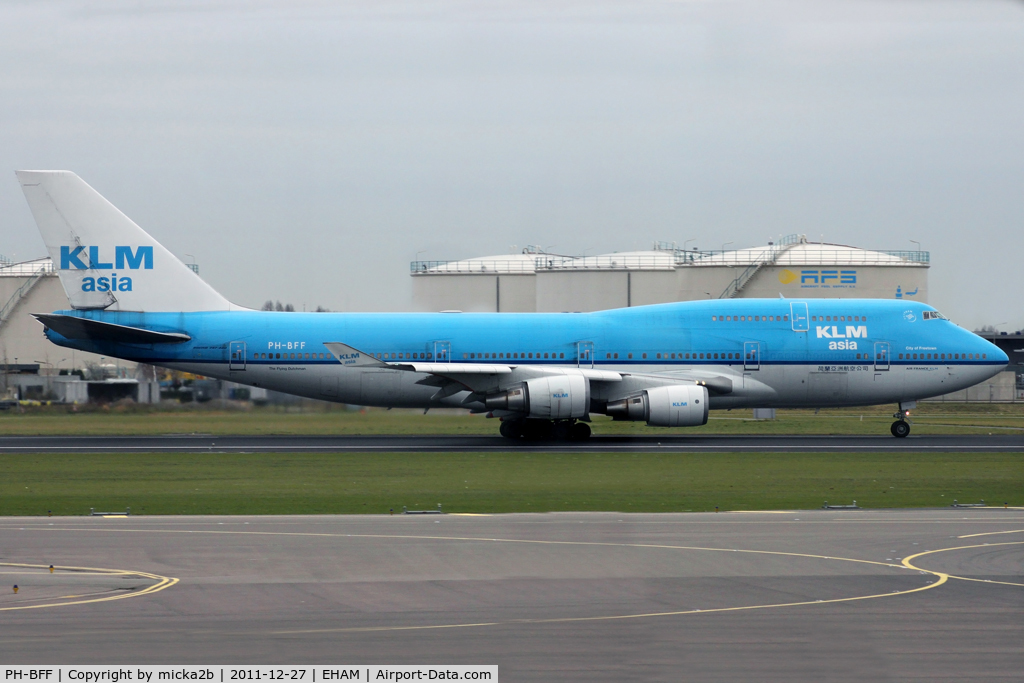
point(714, 332)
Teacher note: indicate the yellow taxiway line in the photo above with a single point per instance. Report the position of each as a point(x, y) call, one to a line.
point(162, 583)
point(907, 563)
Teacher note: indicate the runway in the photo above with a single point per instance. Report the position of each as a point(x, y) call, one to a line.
point(797, 596)
point(448, 444)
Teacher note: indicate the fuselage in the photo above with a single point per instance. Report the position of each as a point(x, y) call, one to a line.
point(754, 352)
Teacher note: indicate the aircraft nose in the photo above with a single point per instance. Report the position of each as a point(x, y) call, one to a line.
point(998, 354)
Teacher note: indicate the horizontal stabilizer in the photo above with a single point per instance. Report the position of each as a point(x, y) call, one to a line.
point(71, 327)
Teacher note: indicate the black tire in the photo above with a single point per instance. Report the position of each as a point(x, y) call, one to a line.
point(900, 429)
point(537, 429)
point(561, 431)
point(580, 431)
point(511, 430)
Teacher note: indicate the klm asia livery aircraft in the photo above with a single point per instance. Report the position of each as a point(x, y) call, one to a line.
point(542, 374)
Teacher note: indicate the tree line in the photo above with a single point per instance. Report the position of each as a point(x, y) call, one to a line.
point(288, 308)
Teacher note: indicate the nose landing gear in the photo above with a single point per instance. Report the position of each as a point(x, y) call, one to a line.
point(901, 428)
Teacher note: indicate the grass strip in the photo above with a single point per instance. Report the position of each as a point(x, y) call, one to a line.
point(289, 483)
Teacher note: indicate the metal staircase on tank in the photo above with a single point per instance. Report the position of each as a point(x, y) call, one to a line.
point(21, 293)
point(768, 257)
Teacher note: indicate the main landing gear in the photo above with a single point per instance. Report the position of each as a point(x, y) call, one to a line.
point(562, 430)
point(901, 428)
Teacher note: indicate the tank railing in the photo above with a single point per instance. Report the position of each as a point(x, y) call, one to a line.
point(609, 262)
point(680, 253)
point(807, 258)
point(26, 268)
point(662, 261)
point(911, 256)
point(472, 266)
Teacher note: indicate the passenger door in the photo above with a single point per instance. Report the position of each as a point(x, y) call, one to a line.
point(443, 351)
point(585, 354)
point(881, 356)
point(798, 310)
point(236, 356)
point(751, 355)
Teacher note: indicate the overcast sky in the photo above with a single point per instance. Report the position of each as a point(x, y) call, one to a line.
point(308, 151)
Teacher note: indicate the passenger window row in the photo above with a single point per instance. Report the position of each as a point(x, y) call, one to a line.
point(608, 356)
point(552, 355)
point(682, 356)
point(839, 318)
point(944, 356)
point(750, 318)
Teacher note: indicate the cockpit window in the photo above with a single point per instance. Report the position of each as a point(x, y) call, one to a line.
point(934, 315)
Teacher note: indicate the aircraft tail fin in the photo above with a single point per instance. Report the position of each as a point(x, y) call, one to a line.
point(104, 260)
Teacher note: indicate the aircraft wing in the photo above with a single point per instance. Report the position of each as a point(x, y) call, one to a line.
point(352, 357)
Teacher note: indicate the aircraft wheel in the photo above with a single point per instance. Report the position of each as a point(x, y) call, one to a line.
point(511, 430)
point(561, 431)
point(537, 429)
point(580, 431)
point(900, 429)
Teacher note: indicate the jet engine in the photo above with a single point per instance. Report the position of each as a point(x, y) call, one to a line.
point(557, 397)
point(679, 405)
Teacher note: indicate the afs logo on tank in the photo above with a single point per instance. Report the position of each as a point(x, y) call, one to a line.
point(832, 332)
point(71, 258)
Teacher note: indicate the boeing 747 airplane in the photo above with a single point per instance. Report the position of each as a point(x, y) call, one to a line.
point(542, 374)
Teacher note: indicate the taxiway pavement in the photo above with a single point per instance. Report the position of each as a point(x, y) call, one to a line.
point(673, 442)
point(795, 596)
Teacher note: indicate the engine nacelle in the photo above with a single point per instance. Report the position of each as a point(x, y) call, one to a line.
point(679, 405)
point(556, 397)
